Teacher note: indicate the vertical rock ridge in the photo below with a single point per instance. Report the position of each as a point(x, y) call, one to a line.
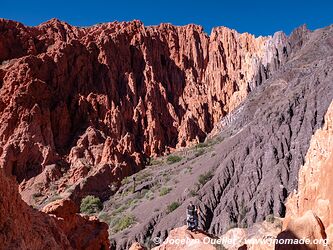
point(115, 93)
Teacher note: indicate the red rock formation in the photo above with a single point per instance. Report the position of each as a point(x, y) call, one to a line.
point(137, 246)
point(82, 232)
point(23, 227)
point(309, 212)
point(98, 100)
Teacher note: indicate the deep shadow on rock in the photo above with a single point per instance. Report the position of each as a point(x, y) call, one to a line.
point(288, 235)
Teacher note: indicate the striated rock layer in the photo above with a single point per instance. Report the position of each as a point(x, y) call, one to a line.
point(309, 210)
point(95, 102)
point(23, 227)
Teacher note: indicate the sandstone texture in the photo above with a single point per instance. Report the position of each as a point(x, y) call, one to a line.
point(83, 232)
point(84, 107)
point(137, 246)
point(309, 209)
point(255, 237)
point(23, 227)
point(183, 239)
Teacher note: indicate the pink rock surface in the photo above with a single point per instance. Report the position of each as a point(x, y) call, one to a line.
point(101, 99)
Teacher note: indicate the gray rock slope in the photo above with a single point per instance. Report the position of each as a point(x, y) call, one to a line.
point(248, 169)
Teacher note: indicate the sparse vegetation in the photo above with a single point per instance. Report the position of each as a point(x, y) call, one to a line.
point(193, 192)
point(188, 170)
point(243, 224)
point(91, 204)
point(214, 140)
point(202, 145)
point(199, 152)
point(165, 190)
point(37, 195)
point(205, 177)
point(125, 181)
point(83, 182)
point(142, 175)
point(278, 224)
point(54, 198)
point(173, 159)
point(120, 209)
point(232, 225)
point(270, 218)
point(70, 189)
point(219, 247)
point(172, 207)
point(123, 223)
point(149, 195)
point(208, 143)
point(167, 178)
point(153, 161)
point(104, 217)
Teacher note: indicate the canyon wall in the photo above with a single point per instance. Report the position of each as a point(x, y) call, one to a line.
point(82, 108)
point(79, 105)
point(309, 209)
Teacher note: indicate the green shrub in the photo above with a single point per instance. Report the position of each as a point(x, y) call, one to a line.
point(143, 175)
point(202, 145)
point(173, 206)
point(270, 218)
point(123, 223)
point(205, 177)
point(173, 159)
point(193, 193)
point(54, 198)
point(120, 209)
point(105, 217)
point(201, 151)
point(149, 195)
point(165, 190)
point(91, 204)
point(37, 195)
point(152, 161)
point(125, 181)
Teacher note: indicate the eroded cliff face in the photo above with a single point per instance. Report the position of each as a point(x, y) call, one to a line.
point(84, 107)
point(23, 227)
point(254, 159)
point(309, 210)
